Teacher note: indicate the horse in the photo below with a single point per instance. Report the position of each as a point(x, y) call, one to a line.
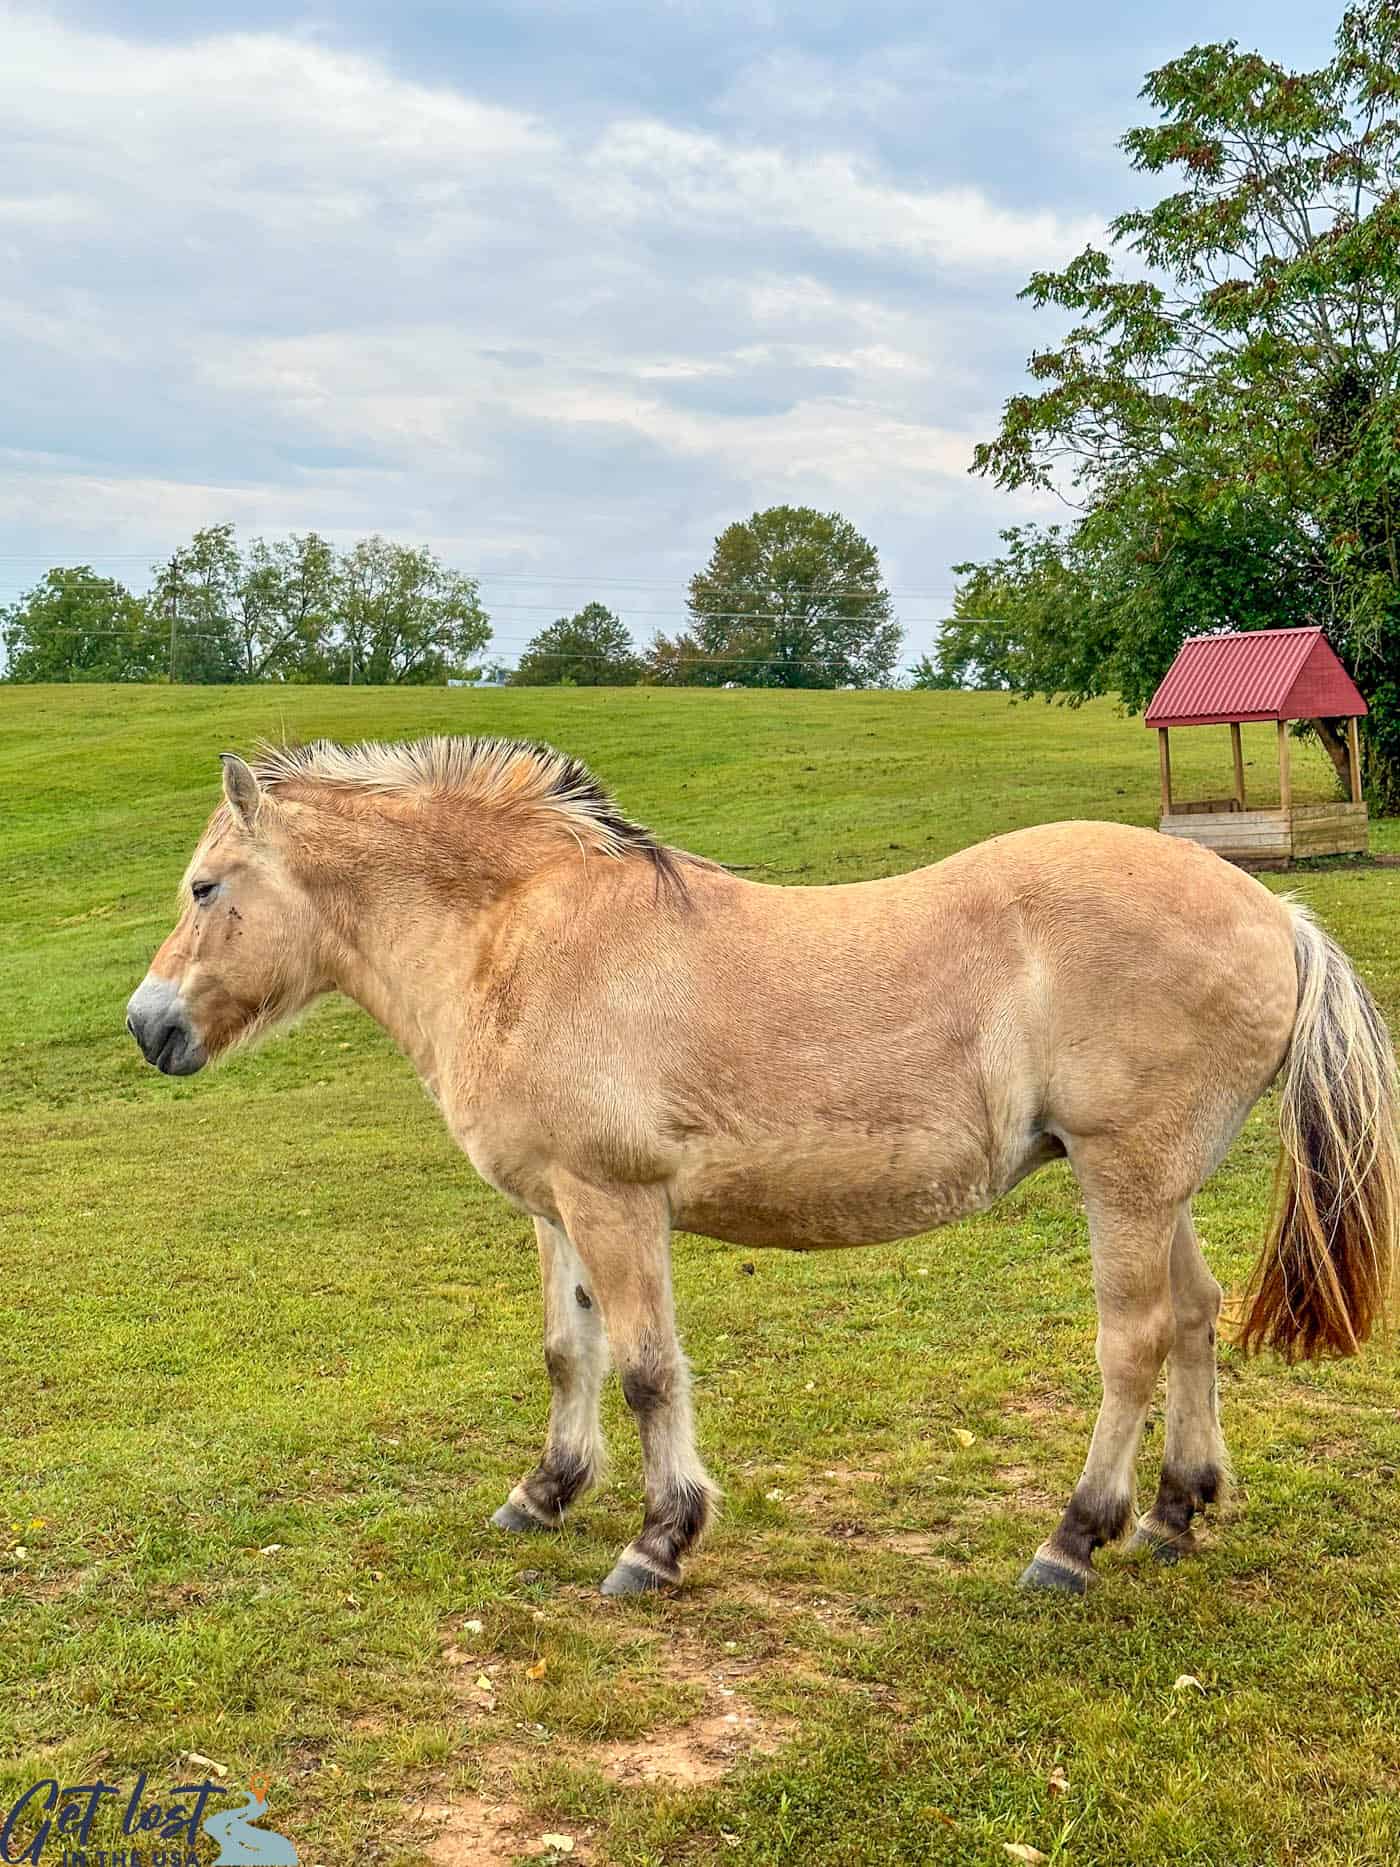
point(626, 1040)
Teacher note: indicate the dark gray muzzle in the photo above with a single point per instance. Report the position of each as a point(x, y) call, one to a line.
point(156, 1018)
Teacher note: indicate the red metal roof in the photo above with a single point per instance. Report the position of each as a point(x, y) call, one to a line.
point(1262, 674)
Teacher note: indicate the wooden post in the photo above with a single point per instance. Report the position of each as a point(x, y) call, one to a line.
point(1238, 749)
point(1285, 779)
point(1164, 759)
point(1354, 748)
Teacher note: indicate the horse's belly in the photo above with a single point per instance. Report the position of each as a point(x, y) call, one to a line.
point(807, 1192)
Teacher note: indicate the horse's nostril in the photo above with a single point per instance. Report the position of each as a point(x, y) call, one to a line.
point(130, 1027)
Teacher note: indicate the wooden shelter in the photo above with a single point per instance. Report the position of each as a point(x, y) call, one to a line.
point(1265, 674)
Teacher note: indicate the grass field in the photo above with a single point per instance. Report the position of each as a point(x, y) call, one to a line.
point(269, 1358)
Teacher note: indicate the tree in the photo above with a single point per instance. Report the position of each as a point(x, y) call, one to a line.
point(789, 598)
point(77, 626)
point(1228, 412)
point(589, 649)
point(289, 605)
point(264, 614)
point(930, 675)
point(1103, 607)
point(198, 589)
point(404, 616)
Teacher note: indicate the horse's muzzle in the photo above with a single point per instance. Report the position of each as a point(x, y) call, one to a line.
point(157, 1019)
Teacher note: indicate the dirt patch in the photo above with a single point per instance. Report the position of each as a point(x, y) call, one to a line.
point(1025, 1490)
point(723, 1732)
point(475, 1832)
point(1038, 1406)
point(699, 1752)
point(57, 1587)
point(835, 1497)
point(786, 1603)
point(915, 1543)
point(1336, 1450)
point(871, 1538)
point(493, 1829)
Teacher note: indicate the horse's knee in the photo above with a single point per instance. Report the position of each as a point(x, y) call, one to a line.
point(1132, 1347)
point(651, 1378)
point(1198, 1309)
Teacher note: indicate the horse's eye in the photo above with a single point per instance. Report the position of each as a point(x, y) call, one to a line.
point(203, 891)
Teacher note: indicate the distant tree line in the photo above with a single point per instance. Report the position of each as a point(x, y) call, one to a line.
point(790, 597)
point(294, 609)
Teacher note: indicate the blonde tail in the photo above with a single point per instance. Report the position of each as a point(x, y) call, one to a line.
point(1326, 1274)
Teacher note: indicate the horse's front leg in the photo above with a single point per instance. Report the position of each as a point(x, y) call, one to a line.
point(576, 1357)
point(624, 1239)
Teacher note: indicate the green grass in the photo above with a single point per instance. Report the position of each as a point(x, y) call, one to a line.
point(273, 1307)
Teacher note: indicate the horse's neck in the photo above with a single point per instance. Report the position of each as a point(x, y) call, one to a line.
point(399, 973)
point(408, 957)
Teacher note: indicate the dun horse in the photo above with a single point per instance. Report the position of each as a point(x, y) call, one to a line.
point(626, 1039)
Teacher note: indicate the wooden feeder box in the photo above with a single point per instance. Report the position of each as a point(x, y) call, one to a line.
point(1265, 674)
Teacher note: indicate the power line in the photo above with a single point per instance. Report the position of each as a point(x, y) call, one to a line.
point(156, 650)
point(553, 609)
point(572, 578)
point(236, 631)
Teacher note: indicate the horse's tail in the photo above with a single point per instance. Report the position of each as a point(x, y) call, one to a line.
point(1326, 1274)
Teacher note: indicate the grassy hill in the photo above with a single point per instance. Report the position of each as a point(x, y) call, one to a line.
point(270, 1357)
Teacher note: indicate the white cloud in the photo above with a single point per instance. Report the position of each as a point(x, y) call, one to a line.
point(641, 168)
point(262, 277)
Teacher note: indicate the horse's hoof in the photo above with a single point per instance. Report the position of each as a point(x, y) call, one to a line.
point(1058, 1577)
point(511, 1517)
point(1161, 1545)
point(630, 1578)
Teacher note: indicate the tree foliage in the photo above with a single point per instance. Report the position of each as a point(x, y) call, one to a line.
point(589, 649)
point(1103, 607)
point(929, 674)
point(404, 616)
point(1226, 406)
point(289, 609)
point(791, 597)
point(77, 626)
point(267, 613)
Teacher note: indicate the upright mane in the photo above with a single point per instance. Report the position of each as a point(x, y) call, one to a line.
point(515, 774)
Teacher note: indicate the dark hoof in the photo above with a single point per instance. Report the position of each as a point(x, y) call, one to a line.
point(1161, 1547)
point(511, 1517)
point(1044, 1572)
point(630, 1578)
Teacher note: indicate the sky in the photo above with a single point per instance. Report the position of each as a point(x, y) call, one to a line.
point(559, 290)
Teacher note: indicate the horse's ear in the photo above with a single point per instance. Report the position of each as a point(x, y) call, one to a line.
point(241, 789)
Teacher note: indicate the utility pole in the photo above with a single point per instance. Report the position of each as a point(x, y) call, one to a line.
point(174, 625)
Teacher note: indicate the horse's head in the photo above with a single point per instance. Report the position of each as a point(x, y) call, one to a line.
point(245, 953)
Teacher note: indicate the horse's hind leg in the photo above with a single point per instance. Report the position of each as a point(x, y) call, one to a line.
point(576, 1357)
point(1193, 1466)
point(1131, 1245)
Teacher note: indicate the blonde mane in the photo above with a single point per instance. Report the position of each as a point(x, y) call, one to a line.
point(512, 774)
